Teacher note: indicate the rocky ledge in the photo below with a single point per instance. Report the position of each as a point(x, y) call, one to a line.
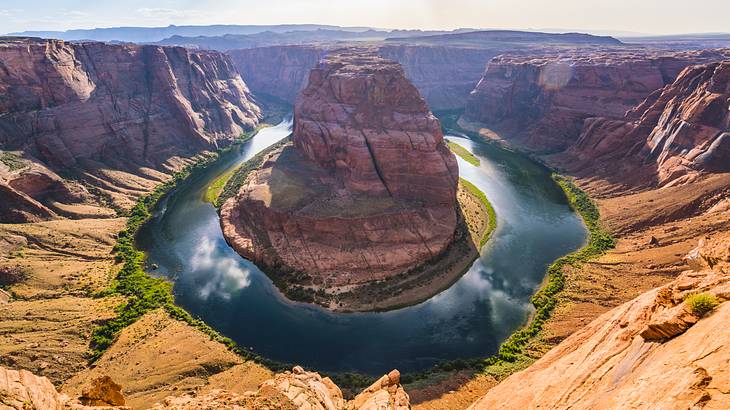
point(666, 349)
point(366, 190)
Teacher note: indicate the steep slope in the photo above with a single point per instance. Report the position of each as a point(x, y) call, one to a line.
point(91, 107)
point(366, 191)
point(541, 102)
point(655, 351)
point(677, 133)
point(278, 71)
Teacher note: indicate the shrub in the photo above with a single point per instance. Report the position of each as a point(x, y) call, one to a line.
point(701, 303)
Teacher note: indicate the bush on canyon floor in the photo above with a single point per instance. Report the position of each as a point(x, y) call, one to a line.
point(472, 189)
point(12, 160)
point(701, 303)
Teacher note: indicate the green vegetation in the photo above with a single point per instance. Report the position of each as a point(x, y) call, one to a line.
point(12, 160)
point(216, 187)
point(463, 153)
point(472, 189)
point(238, 177)
point(145, 293)
point(513, 350)
point(701, 303)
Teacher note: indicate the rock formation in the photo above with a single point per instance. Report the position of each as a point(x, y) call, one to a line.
point(367, 189)
point(676, 133)
point(652, 352)
point(541, 102)
point(278, 71)
point(294, 390)
point(71, 108)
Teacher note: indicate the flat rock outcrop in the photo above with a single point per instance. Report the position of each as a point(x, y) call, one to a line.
point(541, 102)
point(366, 190)
point(73, 107)
point(678, 132)
point(651, 352)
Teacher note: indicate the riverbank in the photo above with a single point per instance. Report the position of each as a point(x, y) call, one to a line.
point(652, 231)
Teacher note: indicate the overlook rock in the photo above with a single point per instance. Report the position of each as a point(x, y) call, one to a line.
point(365, 191)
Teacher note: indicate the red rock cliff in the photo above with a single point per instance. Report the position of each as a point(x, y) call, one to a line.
point(366, 191)
point(74, 107)
point(541, 102)
point(675, 134)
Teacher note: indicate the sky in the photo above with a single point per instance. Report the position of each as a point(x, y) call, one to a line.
point(640, 16)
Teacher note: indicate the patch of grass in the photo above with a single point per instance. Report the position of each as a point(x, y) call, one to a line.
point(12, 160)
point(216, 187)
point(701, 303)
point(463, 153)
point(235, 181)
point(472, 189)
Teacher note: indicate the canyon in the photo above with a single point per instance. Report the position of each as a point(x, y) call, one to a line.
point(111, 119)
point(88, 128)
point(366, 190)
point(539, 101)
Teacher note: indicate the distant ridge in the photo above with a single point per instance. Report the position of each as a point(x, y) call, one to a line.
point(154, 34)
point(511, 36)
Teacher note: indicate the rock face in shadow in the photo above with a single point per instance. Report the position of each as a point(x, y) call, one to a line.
point(678, 132)
point(278, 71)
point(72, 107)
point(443, 75)
point(367, 189)
point(541, 102)
point(651, 352)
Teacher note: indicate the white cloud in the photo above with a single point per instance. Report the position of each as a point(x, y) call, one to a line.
point(223, 275)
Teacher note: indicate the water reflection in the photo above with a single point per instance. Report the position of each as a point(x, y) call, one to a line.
point(471, 318)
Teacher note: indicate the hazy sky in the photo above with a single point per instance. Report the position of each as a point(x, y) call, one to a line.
point(646, 16)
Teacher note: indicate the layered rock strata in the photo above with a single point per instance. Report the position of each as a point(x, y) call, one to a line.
point(366, 190)
point(652, 352)
point(678, 132)
point(541, 102)
point(90, 106)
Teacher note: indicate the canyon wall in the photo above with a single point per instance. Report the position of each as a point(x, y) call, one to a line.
point(278, 71)
point(444, 75)
point(656, 351)
point(69, 108)
point(367, 189)
point(540, 102)
point(678, 132)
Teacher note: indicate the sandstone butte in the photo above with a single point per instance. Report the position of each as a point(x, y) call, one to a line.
point(116, 117)
point(540, 101)
point(365, 191)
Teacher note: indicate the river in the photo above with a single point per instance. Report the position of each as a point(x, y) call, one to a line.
point(470, 319)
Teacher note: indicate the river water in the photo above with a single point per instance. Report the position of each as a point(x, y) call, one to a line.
point(470, 319)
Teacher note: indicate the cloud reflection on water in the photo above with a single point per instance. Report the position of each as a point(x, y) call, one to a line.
point(220, 275)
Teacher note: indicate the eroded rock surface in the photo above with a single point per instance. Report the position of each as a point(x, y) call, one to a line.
point(541, 101)
point(85, 109)
point(651, 352)
point(367, 189)
point(679, 131)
